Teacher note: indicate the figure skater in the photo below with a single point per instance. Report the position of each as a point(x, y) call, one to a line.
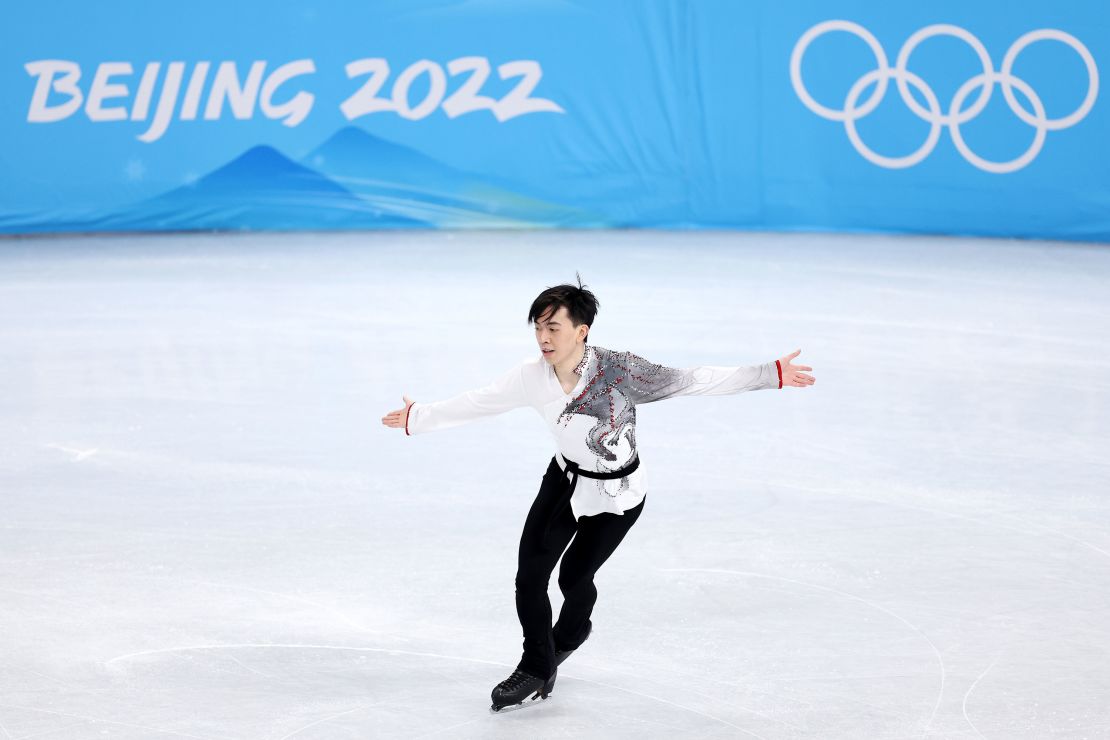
point(587, 396)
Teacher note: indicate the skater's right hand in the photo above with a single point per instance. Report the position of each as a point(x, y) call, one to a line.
point(400, 417)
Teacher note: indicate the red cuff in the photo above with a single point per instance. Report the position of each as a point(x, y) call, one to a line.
point(407, 412)
point(779, 368)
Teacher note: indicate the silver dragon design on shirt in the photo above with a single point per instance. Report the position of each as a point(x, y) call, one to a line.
point(615, 383)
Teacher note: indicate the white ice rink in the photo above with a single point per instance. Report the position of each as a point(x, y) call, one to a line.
point(207, 532)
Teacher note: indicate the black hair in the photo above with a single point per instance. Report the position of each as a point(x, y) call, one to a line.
point(580, 303)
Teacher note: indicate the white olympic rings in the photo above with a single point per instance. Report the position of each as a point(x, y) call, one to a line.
point(933, 113)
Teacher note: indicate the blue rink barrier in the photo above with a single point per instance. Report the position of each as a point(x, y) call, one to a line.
point(947, 117)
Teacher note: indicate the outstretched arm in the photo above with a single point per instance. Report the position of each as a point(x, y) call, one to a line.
point(503, 394)
point(651, 382)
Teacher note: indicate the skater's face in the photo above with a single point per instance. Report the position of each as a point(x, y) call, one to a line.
point(556, 332)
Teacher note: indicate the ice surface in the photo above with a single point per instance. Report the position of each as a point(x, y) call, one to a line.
point(207, 532)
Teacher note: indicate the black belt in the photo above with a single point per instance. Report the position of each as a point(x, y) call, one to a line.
point(576, 470)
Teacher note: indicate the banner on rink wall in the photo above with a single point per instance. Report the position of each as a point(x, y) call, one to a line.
point(945, 117)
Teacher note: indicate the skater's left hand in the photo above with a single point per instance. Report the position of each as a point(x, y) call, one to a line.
point(792, 374)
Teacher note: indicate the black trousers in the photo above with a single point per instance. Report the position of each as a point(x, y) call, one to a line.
point(547, 530)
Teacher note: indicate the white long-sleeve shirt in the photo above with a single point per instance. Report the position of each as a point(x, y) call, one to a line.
point(595, 424)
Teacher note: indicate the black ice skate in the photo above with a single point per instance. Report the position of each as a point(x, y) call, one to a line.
point(561, 655)
point(513, 692)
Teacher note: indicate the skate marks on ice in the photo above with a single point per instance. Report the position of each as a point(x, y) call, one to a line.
point(537, 700)
point(329, 718)
point(324, 608)
point(1010, 523)
point(87, 721)
point(471, 697)
point(963, 706)
point(77, 455)
point(940, 660)
point(289, 646)
point(674, 704)
point(314, 683)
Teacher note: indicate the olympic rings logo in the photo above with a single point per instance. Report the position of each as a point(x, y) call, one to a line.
point(984, 82)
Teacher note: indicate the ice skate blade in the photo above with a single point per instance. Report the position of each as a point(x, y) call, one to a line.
point(534, 699)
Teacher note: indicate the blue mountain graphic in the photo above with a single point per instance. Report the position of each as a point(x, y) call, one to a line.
point(403, 181)
point(352, 181)
point(260, 189)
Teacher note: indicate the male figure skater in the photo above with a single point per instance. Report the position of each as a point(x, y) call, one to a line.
point(587, 395)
